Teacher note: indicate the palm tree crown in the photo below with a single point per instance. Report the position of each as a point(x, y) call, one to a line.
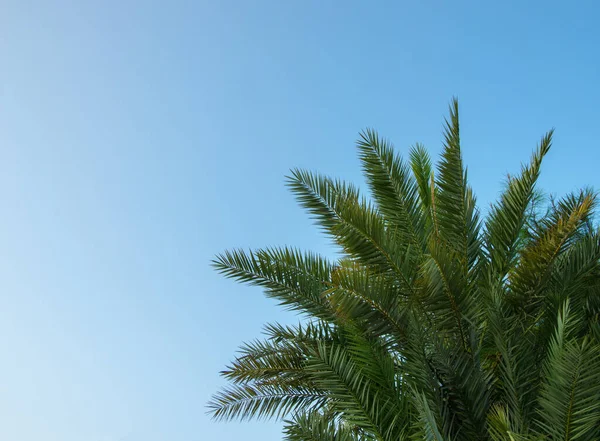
point(436, 324)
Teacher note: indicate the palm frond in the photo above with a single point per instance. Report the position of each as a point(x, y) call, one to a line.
point(508, 218)
point(426, 426)
point(315, 426)
point(245, 401)
point(295, 279)
point(553, 237)
point(570, 395)
point(393, 188)
point(355, 225)
point(456, 215)
point(421, 165)
point(371, 299)
point(334, 370)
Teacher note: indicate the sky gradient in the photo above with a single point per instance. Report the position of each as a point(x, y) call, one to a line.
point(139, 139)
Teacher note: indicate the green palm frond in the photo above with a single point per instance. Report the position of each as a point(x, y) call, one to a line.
point(555, 235)
point(371, 299)
point(455, 211)
point(510, 361)
point(269, 361)
point(393, 188)
point(465, 388)
point(575, 277)
point(508, 218)
point(245, 401)
point(335, 371)
point(570, 395)
point(315, 426)
point(421, 165)
point(354, 223)
point(500, 427)
point(295, 279)
point(444, 287)
point(426, 426)
point(307, 333)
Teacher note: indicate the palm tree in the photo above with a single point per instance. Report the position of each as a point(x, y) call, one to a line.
point(436, 323)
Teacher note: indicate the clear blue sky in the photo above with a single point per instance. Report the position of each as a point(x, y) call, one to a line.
point(138, 139)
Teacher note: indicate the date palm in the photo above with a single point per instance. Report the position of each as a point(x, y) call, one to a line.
point(435, 323)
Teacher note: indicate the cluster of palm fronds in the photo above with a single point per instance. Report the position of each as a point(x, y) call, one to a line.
point(436, 324)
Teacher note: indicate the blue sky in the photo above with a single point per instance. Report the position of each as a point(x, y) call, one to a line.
point(138, 139)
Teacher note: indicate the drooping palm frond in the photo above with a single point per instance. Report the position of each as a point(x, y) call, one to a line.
point(434, 324)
